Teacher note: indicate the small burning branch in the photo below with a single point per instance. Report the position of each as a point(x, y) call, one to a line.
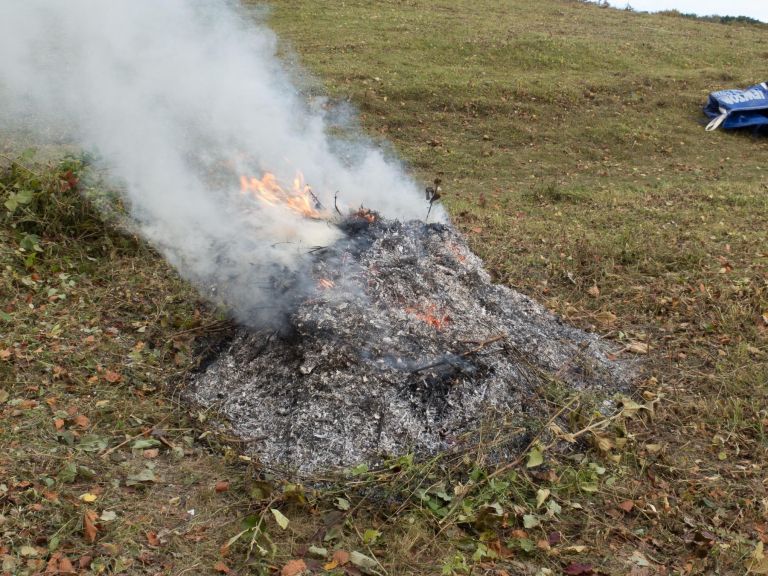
point(432, 195)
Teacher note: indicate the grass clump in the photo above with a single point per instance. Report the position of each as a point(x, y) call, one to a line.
point(48, 201)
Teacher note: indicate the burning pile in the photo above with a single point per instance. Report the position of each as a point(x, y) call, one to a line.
point(402, 344)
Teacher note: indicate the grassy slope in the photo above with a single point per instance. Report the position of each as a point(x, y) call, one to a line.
point(568, 141)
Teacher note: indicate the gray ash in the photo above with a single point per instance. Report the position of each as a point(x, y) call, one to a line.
point(403, 345)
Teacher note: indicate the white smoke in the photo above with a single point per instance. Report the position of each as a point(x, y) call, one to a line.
point(179, 97)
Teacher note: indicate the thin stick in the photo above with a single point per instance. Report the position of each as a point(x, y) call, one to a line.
point(20, 165)
point(428, 211)
point(318, 204)
point(474, 350)
point(132, 438)
point(217, 324)
point(163, 439)
point(335, 205)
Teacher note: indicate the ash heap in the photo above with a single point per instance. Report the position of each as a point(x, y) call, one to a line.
point(402, 345)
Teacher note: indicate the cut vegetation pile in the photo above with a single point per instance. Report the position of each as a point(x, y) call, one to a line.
point(569, 143)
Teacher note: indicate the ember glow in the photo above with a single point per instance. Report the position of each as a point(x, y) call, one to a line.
point(298, 197)
point(325, 284)
point(431, 315)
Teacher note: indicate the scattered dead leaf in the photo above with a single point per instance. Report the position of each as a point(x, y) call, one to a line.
point(82, 421)
point(341, 557)
point(89, 525)
point(627, 506)
point(638, 347)
point(293, 568)
point(153, 540)
point(606, 318)
point(222, 486)
point(112, 377)
point(60, 565)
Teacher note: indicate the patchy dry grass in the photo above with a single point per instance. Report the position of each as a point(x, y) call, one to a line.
point(568, 141)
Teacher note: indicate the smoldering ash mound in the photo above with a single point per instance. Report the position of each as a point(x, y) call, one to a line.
point(402, 344)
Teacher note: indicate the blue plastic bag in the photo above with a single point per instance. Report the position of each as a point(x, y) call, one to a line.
point(738, 108)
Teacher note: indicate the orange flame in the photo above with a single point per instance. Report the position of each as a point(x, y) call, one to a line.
point(431, 316)
point(366, 214)
point(298, 198)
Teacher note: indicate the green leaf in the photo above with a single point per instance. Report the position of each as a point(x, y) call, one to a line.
point(359, 469)
point(27, 154)
point(68, 473)
point(589, 486)
point(530, 521)
point(554, 507)
point(261, 490)
point(282, 521)
point(443, 495)
point(370, 536)
point(599, 470)
point(92, 443)
point(541, 496)
point(53, 543)
point(143, 443)
point(535, 457)
point(333, 533)
point(24, 196)
point(31, 242)
point(342, 503)
point(319, 552)
point(526, 545)
point(145, 475)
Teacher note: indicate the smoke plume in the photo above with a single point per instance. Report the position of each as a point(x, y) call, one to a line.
point(180, 98)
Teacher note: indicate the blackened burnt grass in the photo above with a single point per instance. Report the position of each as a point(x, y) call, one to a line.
point(570, 149)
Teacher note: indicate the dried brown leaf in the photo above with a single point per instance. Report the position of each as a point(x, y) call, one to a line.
point(341, 557)
point(89, 525)
point(82, 421)
point(153, 540)
point(112, 377)
point(627, 506)
point(638, 347)
point(293, 568)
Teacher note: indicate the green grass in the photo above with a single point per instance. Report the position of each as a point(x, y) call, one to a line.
point(569, 141)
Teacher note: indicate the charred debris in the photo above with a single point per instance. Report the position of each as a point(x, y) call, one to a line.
point(401, 344)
